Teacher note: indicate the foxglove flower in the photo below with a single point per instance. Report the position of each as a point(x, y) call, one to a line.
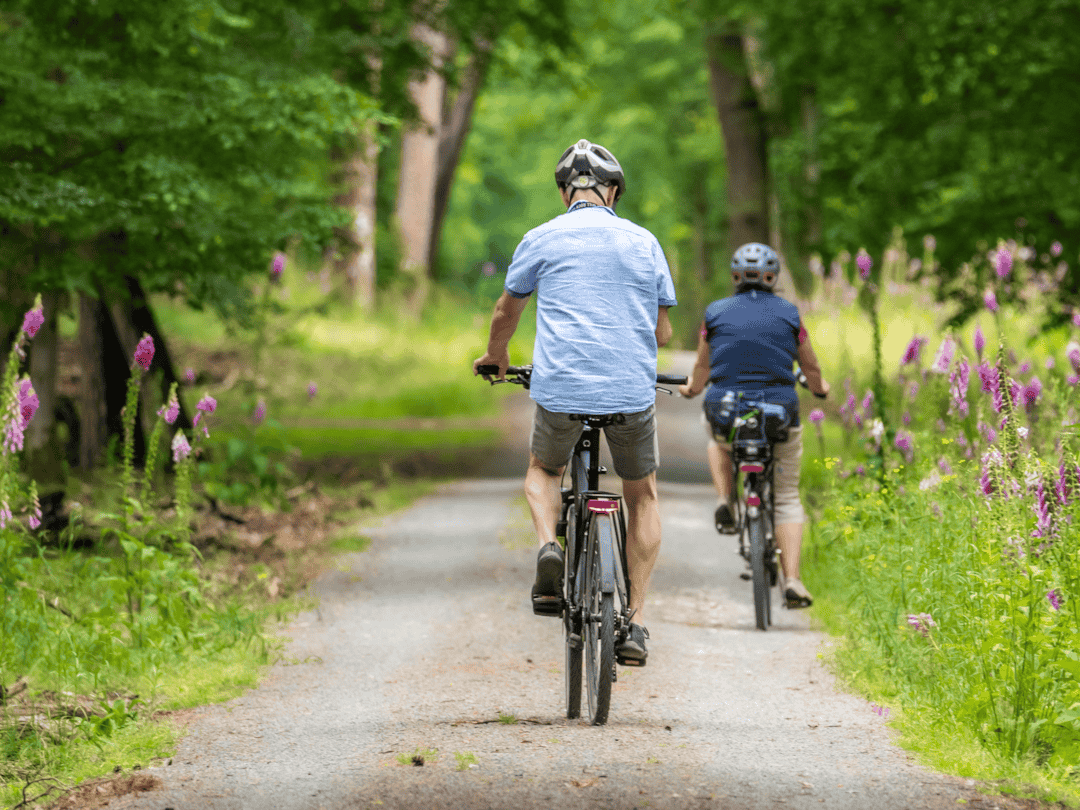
point(189, 376)
point(905, 443)
point(1054, 598)
point(277, 266)
point(181, 449)
point(980, 341)
point(906, 418)
point(958, 386)
point(990, 300)
point(28, 401)
point(205, 405)
point(1025, 367)
point(945, 466)
point(1050, 363)
point(921, 622)
point(312, 391)
point(1031, 392)
point(864, 263)
point(944, 356)
point(1055, 249)
point(877, 431)
point(1042, 512)
point(33, 321)
point(144, 352)
point(868, 403)
point(33, 520)
point(817, 416)
point(260, 412)
point(913, 350)
point(5, 514)
point(988, 432)
point(1003, 262)
point(1062, 485)
point(1072, 352)
point(1076, 318)
point(170, 410)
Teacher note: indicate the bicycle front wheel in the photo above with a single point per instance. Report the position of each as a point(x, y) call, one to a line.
point(599, 622)
point(759, 572)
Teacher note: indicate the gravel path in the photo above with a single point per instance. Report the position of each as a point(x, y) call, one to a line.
point(426, 645)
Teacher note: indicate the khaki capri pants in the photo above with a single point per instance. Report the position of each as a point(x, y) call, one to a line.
point(787, 465)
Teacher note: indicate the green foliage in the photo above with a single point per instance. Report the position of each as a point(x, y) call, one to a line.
point(178, 146)
point(941, 118)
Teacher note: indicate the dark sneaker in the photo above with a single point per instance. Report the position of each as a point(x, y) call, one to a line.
point(796, 595)
point(547, 589)
point(725, 519)
point(631, 652)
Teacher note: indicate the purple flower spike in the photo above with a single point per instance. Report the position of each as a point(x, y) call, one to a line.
point(181, 449)
point(921, 622)
point(864, 263)
point(189, 376)
point(1050, 363)
point(1042, 512)
point(1003, 262)
point(913, 350)
point(170, 411)
point(144, 352)
point(260, 412)
point(277, 267)
point(945, 466)
point(33, 321)
point(1031, 393)
point(817, 416)
point(28, 401)
point(1072, 352)
point(943, 358)
point(905, 443)
point(991, 301)
point(1054, 598)
point(980, 341)
point(1055, 249)
point(206, 405)
point(1072, 379)
point(1061, 486)
point(312, 391)
point(1076, 318)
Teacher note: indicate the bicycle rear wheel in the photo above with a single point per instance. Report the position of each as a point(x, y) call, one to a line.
point(759, 572)
point(599, 622)
point(572, 619)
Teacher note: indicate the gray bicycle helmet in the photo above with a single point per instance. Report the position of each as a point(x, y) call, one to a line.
point(755, 265)
point(587, 165)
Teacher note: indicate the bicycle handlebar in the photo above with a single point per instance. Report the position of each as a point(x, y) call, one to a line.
point(801, 377)
point(524, 373)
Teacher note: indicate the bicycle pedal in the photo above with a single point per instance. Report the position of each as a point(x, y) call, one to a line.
point(547, 605)
point(574, 640)
point(630, 662)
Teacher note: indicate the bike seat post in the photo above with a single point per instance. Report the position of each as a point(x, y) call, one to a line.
point(590, 440)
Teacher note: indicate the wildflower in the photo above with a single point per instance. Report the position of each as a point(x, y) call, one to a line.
point(860, 470)
point(1016, 390)
point(144, 352)
point(1072, 351)
point(1076, 318)
point(5, 514)
point(1042, 512)
point(988, 432)
point(868, 403)
point(277, 267)
point(877, 431)
point(906, 418)
point(34, 519)
point(904, 442)
point(1022, 432)
point(817, 416)
point(931, 481)
point(958, 385)
point(1050, 363)
point(1055, 249)
point(980, 341)
point(189, 376)
point(990, 459)
point(914, 390)
point(206, 405)
point(312, 390)
point(1025, 367)
point(1054, 598)
point(1062, 485)
point(990, 300)
point(1003, 262)
point(929, 243)
point(1031, 392)
point(864, 263)
point(33, 321)
point(180, 447)
point(944, 356)
point(849, 405)
point(913, 350)
point(28, 401)
point(260, 412)
point(945, 466)
point(921, 622)
point(170, 410)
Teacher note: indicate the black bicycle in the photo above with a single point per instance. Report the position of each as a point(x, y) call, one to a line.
point(595, 605)
point(756, 426)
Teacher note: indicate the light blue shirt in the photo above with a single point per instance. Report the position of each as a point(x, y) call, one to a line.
point(599, 282)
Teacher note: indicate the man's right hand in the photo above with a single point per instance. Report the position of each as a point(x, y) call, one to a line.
point(501, 360)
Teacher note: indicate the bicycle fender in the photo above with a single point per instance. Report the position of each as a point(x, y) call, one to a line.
point(607, 558)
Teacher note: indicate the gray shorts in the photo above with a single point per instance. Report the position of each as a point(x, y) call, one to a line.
point(633, 445)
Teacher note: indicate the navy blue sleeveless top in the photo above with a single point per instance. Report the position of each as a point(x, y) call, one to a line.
point(753, 342)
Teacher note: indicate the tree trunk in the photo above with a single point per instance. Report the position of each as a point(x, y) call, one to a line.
point(44, 453)
point(419, 166)
point(93, 425)
point(455, 128)
point(742, 126)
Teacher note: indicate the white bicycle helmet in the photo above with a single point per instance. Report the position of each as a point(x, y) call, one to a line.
point(755, 265)
point(587, 165)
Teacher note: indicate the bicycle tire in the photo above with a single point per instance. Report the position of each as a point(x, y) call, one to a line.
point(599, 630)
point(572, 627)
point(759, 572)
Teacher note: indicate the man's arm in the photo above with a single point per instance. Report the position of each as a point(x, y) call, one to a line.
point(699, 377)
point(663, 327)
point(808, 362)
point(504, 322)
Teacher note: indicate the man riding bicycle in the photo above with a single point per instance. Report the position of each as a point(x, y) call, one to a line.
point(749, 343)
point(603, 289)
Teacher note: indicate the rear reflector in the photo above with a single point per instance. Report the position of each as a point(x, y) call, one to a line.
point(597, 505)
point(752, 468)
point(753, 500)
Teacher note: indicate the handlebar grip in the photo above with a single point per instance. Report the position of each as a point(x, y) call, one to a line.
point(671, 379)
point(820, 396)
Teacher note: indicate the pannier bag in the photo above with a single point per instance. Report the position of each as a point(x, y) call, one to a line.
point(761, 420)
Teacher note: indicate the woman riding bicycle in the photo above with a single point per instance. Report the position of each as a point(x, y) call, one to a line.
point(749, 343)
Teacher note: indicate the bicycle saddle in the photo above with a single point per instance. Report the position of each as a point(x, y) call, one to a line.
point(599, 420)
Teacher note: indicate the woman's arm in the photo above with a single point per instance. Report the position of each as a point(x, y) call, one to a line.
point(699, 377)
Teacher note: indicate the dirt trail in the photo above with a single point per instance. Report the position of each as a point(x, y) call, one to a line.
point(426, 645)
